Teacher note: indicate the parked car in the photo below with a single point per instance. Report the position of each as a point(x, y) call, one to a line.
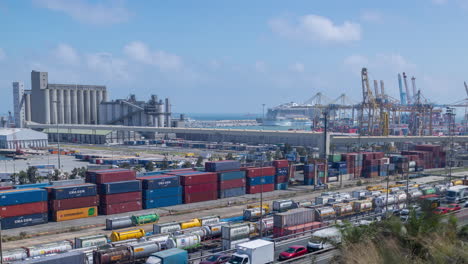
point(216, 259)
point(441, 210)
point(292, 252)
point(453, 207)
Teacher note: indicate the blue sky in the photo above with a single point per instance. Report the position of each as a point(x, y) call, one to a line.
point(232, 56)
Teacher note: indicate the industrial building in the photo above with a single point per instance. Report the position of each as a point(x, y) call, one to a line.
point(10, 138)
point(90, 136)
point(131, 112)
point(48, 103)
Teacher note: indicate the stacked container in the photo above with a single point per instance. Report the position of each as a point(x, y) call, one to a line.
point(231, 184)
point(119, 191)
point(294, 221)
point(281, 174)
point(224, 165)
point(260, 179)
point(72, 201)
point(199, 186)
point(438, 155)
point(24, 207)
point(234, 234)
point(161, 191)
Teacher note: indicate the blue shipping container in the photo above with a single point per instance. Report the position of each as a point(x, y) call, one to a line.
point(24, 220)
point(74, 257)
point(120, 187)
point(309, 168)
point(233, 192)
point(231, 175)
point(34, 185)
point(281, 186)
point(258, 180)
point(225, 165)
point(308, 181)
point(281, 171)
point(158, 183)
point(68, 192)
point(21, 196)
point(159, 193)
point(162, 202)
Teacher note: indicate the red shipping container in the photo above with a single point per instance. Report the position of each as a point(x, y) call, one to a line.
point(281, 178)
point(223, 185)
point(120, 208)
point(112, 176)
point(280, 163)
point(80, 202)
point(208, 177)
point(258, 172)
point(6, 188)
point(120, 198)
point(23, 209)
point(258, 188)
point(179, 171)
point(200, 196)
point(200, 187)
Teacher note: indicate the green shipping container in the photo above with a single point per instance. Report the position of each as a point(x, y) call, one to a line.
point(428, 191)
point(145, 219)
point(334, 157)
point(321, 174)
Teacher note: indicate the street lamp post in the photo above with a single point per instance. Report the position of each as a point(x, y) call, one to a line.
point(262, 179)
point(451, 124)
point(58, 138)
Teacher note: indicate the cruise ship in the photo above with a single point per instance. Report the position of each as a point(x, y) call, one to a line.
point(288, 115)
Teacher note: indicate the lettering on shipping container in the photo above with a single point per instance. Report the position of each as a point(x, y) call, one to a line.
point(23, 220)
point(139, 249)
point(115, 258)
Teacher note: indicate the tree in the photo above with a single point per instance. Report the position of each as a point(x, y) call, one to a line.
point(56, 175)
point(278, 155)
point(137, 168)
point(149, 166)
point(74, 173)
point(301, 151)
point(23, 177)
point(187, 164)
point(32, 174)
point(14, 178)
point(229, 156)
point(269, 156)
point(124, 165)
point(287, 148)
point(165, 163)
point(199, 161)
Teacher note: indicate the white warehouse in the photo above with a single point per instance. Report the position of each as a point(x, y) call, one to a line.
point(25, 138)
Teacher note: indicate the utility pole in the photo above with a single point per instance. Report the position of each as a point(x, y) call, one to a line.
point(262, 179)
point(451, 128)
point(58, 138)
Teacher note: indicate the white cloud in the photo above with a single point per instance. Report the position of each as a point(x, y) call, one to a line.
point(108, 65)
point(371, 16)
point(140, 52)
point(393, 62)
point(317, 28)
point(260, 66)
point(2, 54)
point(113, 12)
point(67, 54)
point(297, 67)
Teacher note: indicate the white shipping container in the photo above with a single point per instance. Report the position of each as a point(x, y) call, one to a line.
point(293, 217)
point(166, 228)
point(57, 247)
point(235, 231)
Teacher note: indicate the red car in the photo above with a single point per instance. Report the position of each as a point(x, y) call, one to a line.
point(292, 252)
point(453, 207)
point(441, 210)
point(216, 259)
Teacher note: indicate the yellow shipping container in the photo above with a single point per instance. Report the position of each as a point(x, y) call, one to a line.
point(193, 223)
point(124, 235)
point(70, 214)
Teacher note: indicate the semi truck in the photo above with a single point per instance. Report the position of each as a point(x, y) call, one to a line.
point(457, 194)
point(257, 251)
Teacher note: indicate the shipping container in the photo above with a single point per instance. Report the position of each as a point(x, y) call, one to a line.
point(284, 205)
point(187, 241)
point(120, 254)
point(21, 209)
point(208, 220)
point(198, 178)
point(73, 191)
point(231, 244)
point(260, 188)
point(190, 224)
point(67, 182)
point(164, 192)
point(80, 202)
point(118, 222)
point(75, 257)
point(170, 256)
point(162, 202)
point(166, 228)
point(145, 219)
point(258, 172)
point(224, 165)
point(293, 217)
point(21, 196)
point(125, 235)
point(120, 187)
point(119, 198)
point(280, 163)
point(144, 249)
point(160, 181)
point(237, 183)
point(214, 230)
point(24, 220)
point(14, 255)
point(231, 175)
point(33, 185)
point(120, 208)
point(281, 186)
point(233, 192)
point(49, 248)
point(200, 196)
point(235, 231)
point(205, 187)
point(110, 175)
point(261, 180)
point(71, 214)
point(90, 241)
